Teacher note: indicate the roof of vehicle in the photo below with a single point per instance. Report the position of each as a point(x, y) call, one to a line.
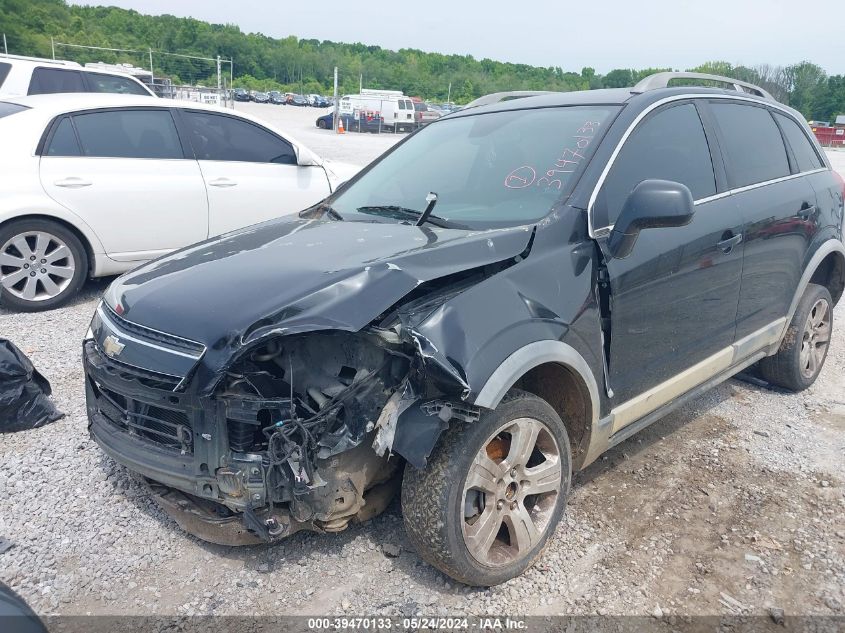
point(70, 101)
point(606, 96)
point(51, 105)
point(37, 61)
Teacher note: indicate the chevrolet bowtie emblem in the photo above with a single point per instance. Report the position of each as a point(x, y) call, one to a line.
point(112, 346)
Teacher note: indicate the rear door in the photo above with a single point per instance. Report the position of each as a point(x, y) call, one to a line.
point(123, 171)
point(778, 205)
point(250, 173)
point(673, 299)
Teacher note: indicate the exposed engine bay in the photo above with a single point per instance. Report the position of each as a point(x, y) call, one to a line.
point(296, 408)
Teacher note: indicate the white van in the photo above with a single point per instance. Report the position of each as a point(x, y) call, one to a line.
point(396, 110)
point(35, 76)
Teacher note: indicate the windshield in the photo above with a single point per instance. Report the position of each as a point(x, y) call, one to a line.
point(488, 170)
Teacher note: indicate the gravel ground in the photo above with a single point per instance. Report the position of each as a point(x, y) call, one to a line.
point(732, 504)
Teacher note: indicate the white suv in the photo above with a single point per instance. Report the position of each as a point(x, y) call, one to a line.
point(96, 184)
point(36, 76)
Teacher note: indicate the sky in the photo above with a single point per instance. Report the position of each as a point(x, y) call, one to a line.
point(603, 34)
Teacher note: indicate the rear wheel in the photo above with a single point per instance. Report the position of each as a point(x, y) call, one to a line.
point(42, 265)
point(492, 494)
point(321, 124)
point(803, 351)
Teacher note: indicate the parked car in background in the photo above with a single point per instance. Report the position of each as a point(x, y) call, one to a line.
point(320, 102)
point(350, 123)
point(423, 113)
point(277, 97)
point(35, 76)
point(298, 100)
point(261, 97)
point(96, 184)
point(240, 94)
point(584, 268)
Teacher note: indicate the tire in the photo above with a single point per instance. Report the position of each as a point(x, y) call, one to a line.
point(27, 242)
point(804, 348)
point(321, 124)
point(437, 500)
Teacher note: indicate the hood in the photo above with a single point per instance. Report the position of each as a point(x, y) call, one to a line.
point(294, 275)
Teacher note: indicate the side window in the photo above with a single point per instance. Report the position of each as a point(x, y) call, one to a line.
point(63, 141)
point(97, 82)
point(128, 134)
point(47, 81)
point(669, 145)
point(752, 142)
point(805, 153)
point(4, 71)
point(222, 137)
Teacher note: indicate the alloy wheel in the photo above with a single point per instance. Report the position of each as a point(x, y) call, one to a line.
point(815, 338)
point(510, 492)
point(36, 266)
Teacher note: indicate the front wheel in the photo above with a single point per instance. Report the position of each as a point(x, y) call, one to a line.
point(803, 351)
point(493, 491)
point(42, 265)
point(321, 124)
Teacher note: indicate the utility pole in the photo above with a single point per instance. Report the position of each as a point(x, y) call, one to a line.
point(152, 73)
point(231, 79)
point(449, 95)
point(53, 46)
point(336, 102)
point(360, 83)
point(5, 48)
point(219, 82)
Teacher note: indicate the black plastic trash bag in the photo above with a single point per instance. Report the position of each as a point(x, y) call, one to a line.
point(24, 401)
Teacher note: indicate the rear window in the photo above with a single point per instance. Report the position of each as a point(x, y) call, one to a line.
point(805, 154)
point(10, 108)
point(4, 71)
point(420, 107)
point(54, 80)
point(97, 82)
point(753, 143)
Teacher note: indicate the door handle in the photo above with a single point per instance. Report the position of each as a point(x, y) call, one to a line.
point(727, 245)
point(222, 182)
point(806, 212)
point(72, 183)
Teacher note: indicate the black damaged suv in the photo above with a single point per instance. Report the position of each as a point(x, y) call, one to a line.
point(491, 304)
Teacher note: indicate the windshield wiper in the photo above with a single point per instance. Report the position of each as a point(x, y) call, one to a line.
point(421, 218)
point(431, 198)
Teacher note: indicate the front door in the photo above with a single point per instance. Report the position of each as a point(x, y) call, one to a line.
point(251, 174)
point(673, 300)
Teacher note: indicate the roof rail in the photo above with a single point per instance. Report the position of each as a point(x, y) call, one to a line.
point(496, 97)
point(661, 80)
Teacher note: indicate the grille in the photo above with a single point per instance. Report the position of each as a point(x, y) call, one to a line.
point(166, 427)
point(147, 378)
point(154, 335)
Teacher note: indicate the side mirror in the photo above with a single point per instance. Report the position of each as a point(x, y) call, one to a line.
point(653, 204)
